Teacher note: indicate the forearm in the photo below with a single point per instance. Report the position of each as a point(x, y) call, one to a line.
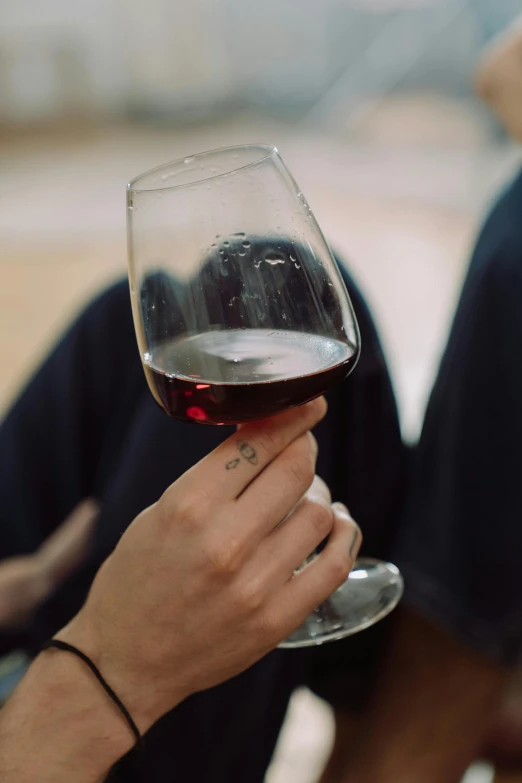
point(60, 726)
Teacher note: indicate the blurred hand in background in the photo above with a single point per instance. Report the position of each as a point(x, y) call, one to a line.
point(27, 580)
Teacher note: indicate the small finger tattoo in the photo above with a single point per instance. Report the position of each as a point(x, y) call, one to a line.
point(354, 541)
point(232, 464)
point(248, 453)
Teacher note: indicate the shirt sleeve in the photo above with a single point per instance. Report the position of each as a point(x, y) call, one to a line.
point(55, 437)
point(461, 537)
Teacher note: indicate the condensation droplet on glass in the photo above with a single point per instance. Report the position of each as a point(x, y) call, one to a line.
point(258, 263)
point(188, 160)
point(273, 260)
point(218, 236)
point(246, 243)
point(213, 244)
point(221, 252)
point(241, 253)
point(239, 234)
point(226, 243)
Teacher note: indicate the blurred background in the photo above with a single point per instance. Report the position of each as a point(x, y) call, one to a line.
point(370, 104)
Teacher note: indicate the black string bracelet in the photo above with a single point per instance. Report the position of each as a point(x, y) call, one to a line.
point(59, 645)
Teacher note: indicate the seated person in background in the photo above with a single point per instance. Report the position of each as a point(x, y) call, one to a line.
point(199, 587)
point(458, 634)
point(87, 427)
point(27, 580)
point(499, 83)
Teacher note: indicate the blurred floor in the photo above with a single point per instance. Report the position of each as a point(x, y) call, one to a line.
point(402, 211)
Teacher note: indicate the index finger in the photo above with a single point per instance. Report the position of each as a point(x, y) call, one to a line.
point(226, 472)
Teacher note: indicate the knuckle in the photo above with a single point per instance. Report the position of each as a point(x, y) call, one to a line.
point(321, 517)
point(320, 490)
point(157, 510)
point(249, 597)
point(357, 533)
point(222, 558)
point(192, 508)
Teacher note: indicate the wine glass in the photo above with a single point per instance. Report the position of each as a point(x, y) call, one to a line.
point(241, 313)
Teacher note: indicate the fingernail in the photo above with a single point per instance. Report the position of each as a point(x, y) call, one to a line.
point(356, 542)
point(319, 492)
point(341, 509)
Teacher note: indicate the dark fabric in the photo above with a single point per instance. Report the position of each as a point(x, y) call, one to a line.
point(87, 425)
point(460, 543)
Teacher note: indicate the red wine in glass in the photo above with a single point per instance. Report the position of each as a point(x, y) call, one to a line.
point(234, 376)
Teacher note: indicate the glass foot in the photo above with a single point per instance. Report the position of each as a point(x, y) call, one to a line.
point(372, 591)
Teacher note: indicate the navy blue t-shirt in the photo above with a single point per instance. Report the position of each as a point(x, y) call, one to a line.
point(460, 543)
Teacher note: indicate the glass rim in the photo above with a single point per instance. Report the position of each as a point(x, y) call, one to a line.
point(266, 150)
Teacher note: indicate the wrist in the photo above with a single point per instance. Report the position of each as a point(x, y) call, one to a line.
point(60, 725)
point(71, 685)
point(132, 680)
